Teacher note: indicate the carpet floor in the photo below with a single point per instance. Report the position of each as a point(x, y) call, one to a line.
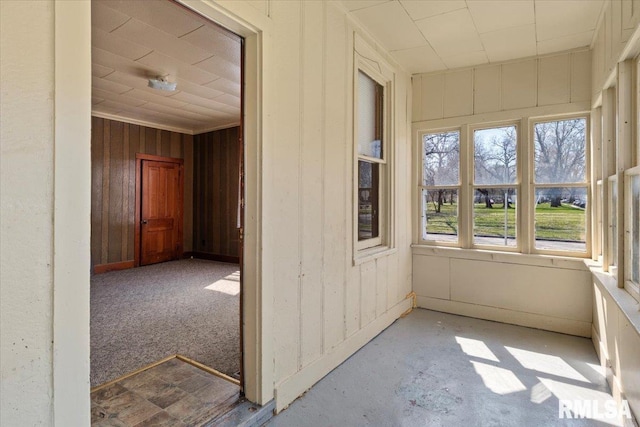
point(188, 307)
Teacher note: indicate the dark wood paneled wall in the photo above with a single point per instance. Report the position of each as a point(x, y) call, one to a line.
point(114, 146)
point(215, 193)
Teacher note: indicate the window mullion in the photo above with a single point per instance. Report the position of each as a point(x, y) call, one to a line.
point(525, 178)
point(466, 189)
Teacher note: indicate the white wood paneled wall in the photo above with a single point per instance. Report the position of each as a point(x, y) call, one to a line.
point(544, 81)
point(325, 307)
point(617, 27)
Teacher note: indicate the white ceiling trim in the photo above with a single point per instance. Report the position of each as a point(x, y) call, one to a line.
point(156, 125)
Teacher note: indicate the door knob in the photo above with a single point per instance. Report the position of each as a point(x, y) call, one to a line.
point(144, 221)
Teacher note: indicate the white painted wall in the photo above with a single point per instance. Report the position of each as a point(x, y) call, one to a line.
point(536, 291)
point(616, 33)
point(26, 192)
point(543, 292)
point(550, 80)
point(325, 307)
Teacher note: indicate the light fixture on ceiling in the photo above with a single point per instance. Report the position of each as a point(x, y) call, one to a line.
point(162, 83)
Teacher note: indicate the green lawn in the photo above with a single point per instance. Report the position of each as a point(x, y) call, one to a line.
point(561, 223)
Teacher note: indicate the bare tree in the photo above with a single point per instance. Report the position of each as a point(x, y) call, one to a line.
point(495, 160)
point(441, 154)
point(560, 154)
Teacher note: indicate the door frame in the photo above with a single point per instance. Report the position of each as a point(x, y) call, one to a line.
point(137, 237)
point(72, 172)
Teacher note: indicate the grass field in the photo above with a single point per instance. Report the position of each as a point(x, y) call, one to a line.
point(565, 223)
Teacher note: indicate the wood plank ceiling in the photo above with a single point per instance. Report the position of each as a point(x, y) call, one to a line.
point(433, 35)
point(133, 41)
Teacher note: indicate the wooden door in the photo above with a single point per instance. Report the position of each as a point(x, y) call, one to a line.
point(160, 211)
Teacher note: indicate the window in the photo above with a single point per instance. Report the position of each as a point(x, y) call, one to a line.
point(560, 185)
point(486, 205)
point(440, 186)
point(632, 234)
point(373, 148)
point(370, 156)
point(495, 186)
point(612, 235)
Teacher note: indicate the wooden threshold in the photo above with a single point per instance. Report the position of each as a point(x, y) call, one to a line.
point(166, 359)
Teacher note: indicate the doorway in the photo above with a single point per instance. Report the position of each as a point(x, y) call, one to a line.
point(158, 133)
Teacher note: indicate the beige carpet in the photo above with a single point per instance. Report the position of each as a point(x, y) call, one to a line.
point(188, 307)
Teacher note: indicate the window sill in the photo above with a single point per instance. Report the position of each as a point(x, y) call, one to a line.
point(556, 261)
point(625, 302)
point(370, 254)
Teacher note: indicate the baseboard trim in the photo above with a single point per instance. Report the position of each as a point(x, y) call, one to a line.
point(531, 320)
point(114, 266)
point(294, 386)
point(213, 257)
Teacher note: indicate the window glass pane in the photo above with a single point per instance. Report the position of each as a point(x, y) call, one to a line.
point(369, 117)
point(635, 229)
point(613, 223)
point(494, 216)
point(440, 215)
point(495, 155)
point(441, 158)
point(560, 151)
point(368, 200)
point(560, 219)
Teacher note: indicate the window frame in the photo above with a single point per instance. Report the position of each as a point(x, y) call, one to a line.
point(630, 286)
point(533, 185)
point(422, 187)
point(612, 255)
point(472, 185)
point(369, 62)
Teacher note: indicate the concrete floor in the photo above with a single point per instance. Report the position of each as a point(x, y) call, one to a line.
point(436, 369)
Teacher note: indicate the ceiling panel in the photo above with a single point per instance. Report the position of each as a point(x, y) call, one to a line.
point(424, 9)
point(106, 18)
point(113, 43)
point(361, 4)
point(225, 86)
point(135, 41)
point(158, 40)
point(503, 45)
point(391, 26)
point(562, 18)
point(492, 15)
point(565, 43)
point(165, 65)
point(225, 47)
point(421, 59)
point(100, 71)
point(161, 14)
point(221, 67)
point(466, 60)
point(123, 99)
point(452, 33)
point(109, 86)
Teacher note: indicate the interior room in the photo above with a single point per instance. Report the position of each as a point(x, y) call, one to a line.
point(439, 209)
point(165, 190)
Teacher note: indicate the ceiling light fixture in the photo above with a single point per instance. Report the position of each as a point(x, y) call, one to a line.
point(162, 83)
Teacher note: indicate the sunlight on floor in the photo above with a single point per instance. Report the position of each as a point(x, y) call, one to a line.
point(595, 399)
point(498, 380)
point(552, 365)
point(229, 285)
point(476, 348)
